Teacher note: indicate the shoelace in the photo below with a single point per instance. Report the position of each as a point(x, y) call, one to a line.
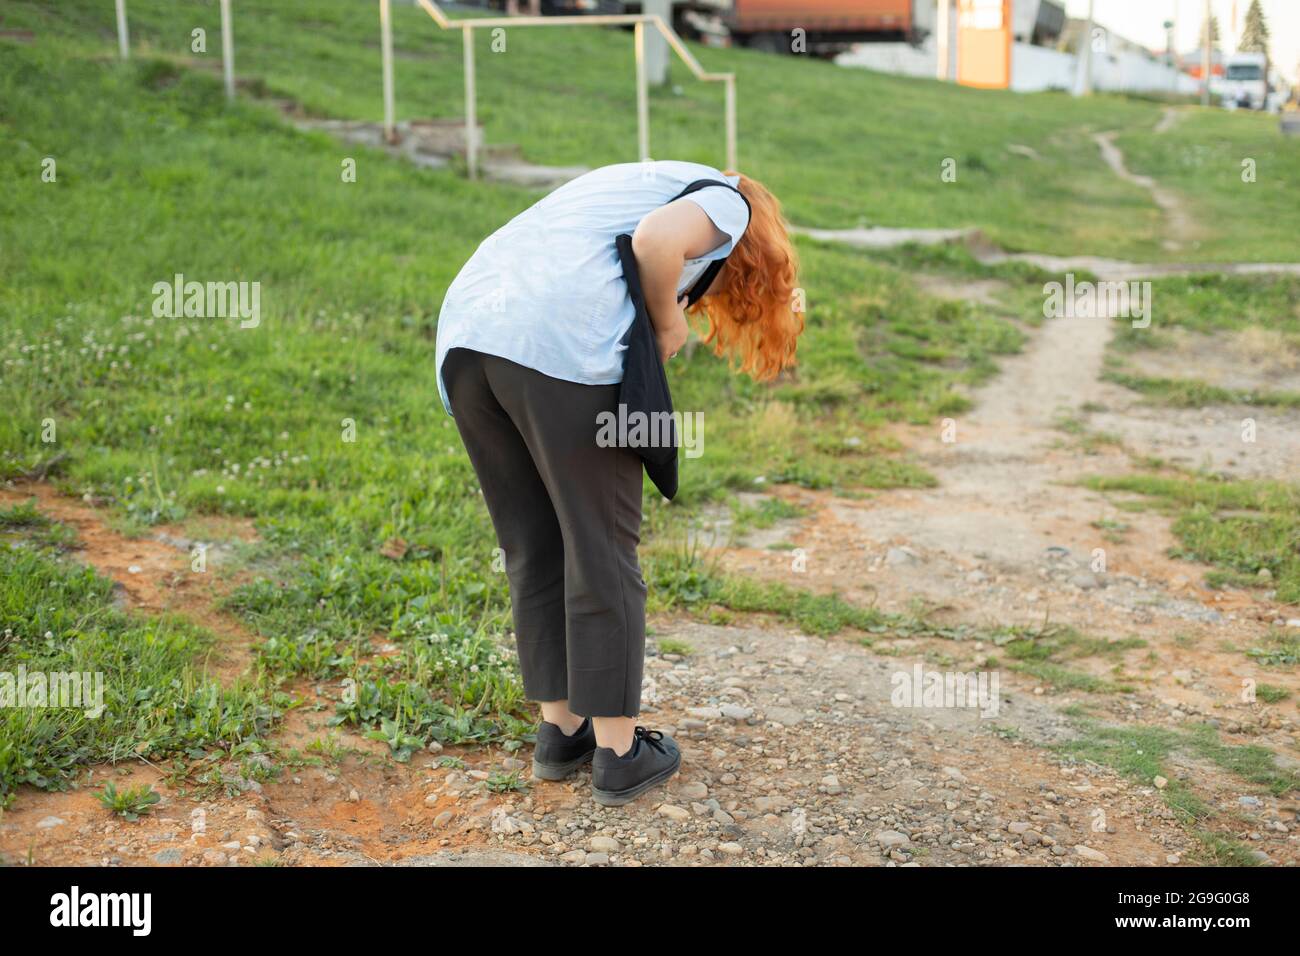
point(652, 737)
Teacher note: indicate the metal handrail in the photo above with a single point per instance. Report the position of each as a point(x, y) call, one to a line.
point(637, 21)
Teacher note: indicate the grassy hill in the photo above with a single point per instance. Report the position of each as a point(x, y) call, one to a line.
point(841, 146)
point(168, 418)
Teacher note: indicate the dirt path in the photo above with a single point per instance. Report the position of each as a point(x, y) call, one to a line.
point(987, 253)
point(1180, 226)
point(793, 756)
point(1008, 537)
point(801, 750)
point(1170, 118)
point(796, 751)
point(156, 573)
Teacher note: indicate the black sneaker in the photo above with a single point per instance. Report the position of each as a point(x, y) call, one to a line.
point(557, 755)
point(651, 760)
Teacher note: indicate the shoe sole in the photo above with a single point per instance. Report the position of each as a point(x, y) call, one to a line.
point(558, 771)
point(616, 798)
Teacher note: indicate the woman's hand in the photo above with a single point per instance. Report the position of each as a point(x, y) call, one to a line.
point(674, 336)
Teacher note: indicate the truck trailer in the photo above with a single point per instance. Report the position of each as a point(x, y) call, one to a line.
point(823, 27)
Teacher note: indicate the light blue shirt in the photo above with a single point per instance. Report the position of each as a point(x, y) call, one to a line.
point(546, 290)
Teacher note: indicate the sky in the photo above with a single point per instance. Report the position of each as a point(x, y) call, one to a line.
point(1143, 22)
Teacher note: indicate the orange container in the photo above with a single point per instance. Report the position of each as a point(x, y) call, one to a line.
point(984, 43)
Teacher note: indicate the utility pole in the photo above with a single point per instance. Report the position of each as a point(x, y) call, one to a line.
point(1178, 57)
point(1207, 43)
point(943, 32)
point(1085, 59)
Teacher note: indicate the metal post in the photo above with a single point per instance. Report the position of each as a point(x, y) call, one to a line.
point(642, 94)
point(1207, 42)
point(656, 46)
point(943, 34)
point(227, 49)
point(386, 53)
point(731, 124)
point(471, 104)
point(123, 40)
point(638, 21)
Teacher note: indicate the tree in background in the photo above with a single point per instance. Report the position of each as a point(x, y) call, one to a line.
point(1215, 35)
point(1254, 35)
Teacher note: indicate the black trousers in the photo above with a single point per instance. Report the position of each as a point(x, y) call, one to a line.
point(567, 514)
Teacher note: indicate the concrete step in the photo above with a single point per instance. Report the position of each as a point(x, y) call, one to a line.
point(433, 143)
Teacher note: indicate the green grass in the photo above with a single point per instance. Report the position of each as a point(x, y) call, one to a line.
point(1113, 531)
point(1271, 694)
point(130, 804)
point(24, 525)
point(685, 578)
point(1259, 312)
point(670, 645)
point(1058, 641)
point(1239, 526)
point(57, 617)
point(812, 613)
point(1142, 753)
point(166, 419)
point(1065, 678)
point(1217, 303)
point(1044, 652)
point(1201, 158)
point(1215, 849)
point(1219, 580)
point(1254, 764)
point(844, 146)
point(324, 54)
point(764, 515)
point(1084, 438)
point(1191, 393)
point(1277, 649)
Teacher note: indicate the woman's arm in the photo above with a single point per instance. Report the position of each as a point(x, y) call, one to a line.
point(662, 243)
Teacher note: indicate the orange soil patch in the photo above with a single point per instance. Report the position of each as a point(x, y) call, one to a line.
point(154, 574)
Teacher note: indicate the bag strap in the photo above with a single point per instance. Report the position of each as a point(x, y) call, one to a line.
point(705, 183)
point(697, 291)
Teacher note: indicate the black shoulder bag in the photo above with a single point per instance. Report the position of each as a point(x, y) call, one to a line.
point(645, 384)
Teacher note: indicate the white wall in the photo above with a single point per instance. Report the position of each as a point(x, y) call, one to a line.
point(1133, 73)
point(899, 58)
point(1033, 68)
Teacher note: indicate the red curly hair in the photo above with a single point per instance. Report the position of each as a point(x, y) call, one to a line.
point(753, 320)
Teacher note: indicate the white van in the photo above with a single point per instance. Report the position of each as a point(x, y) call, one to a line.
point(1245, 81)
